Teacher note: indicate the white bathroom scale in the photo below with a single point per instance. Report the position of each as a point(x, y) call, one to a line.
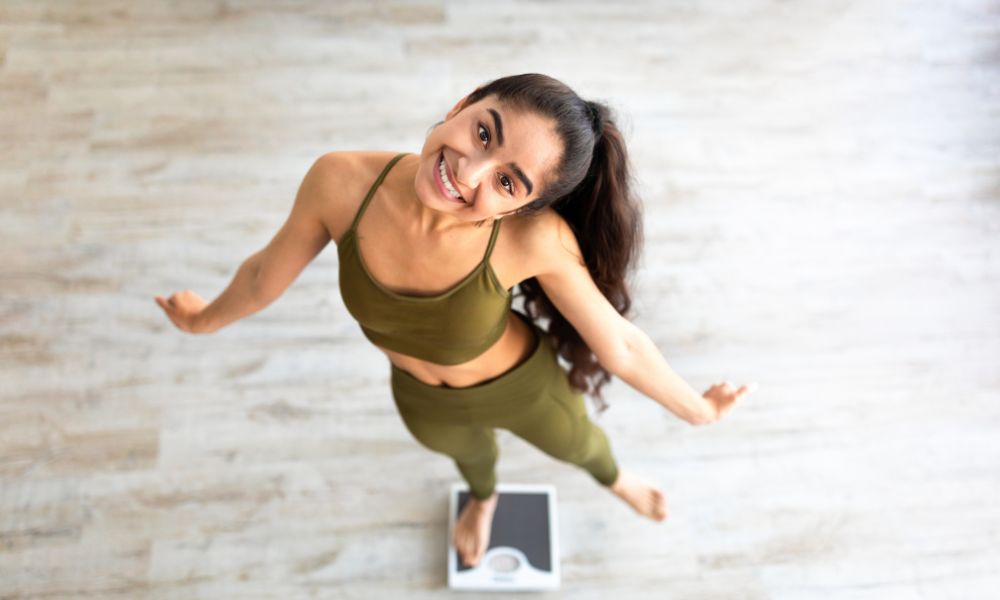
point(523, 553)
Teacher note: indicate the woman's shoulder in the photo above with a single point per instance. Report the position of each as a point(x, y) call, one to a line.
point(358, 167)
point(342, 178)
point(538, 242)
point(540, 232)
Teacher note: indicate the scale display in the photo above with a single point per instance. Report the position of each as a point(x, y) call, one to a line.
point(524, 542)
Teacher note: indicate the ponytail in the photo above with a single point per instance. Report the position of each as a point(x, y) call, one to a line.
point(593, 190)
point(607, 222)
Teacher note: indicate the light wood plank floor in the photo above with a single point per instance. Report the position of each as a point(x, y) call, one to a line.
point(821, 184)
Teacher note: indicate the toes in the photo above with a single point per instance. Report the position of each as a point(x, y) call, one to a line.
point(465, 547)
point(661, 507)
point(480, 552)
point(470, 557)
point(466, 556)
point(461, 545)
point(469, 552)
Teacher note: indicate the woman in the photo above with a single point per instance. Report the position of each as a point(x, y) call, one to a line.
point(432, 288)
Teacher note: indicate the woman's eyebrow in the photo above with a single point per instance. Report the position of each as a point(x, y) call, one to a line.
point(520, 174)
point(498, 124)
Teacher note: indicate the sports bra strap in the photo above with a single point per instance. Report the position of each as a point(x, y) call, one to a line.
point(371, 190)
point(493, 238)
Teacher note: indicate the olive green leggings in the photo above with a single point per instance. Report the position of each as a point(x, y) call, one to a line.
point(533, 400)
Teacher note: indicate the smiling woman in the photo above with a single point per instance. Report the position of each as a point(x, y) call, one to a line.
point(434, 292)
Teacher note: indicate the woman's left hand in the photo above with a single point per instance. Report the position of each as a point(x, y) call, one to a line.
point(723, 396)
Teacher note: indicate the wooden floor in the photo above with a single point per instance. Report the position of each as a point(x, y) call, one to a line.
point(821, 185)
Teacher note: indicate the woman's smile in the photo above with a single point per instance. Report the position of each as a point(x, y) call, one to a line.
point(444, 184)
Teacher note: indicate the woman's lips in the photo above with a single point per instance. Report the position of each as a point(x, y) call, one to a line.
point(440, 184)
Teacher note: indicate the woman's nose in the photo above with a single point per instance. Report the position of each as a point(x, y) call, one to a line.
point(469, 172)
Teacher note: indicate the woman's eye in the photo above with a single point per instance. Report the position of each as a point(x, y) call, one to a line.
point(508, 186)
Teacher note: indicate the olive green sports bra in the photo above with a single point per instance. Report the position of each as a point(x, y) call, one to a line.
point(448, 328)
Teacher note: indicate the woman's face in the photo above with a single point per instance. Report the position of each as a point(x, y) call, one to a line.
point(496, 158)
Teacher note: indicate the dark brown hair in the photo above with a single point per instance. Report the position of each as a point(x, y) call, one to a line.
point(592, 189)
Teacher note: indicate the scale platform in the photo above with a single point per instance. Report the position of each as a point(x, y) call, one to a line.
point(523, 553)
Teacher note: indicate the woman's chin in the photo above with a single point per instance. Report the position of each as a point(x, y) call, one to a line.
point(442, 204)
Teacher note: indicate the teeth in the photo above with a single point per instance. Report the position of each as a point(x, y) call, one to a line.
point(447, 184)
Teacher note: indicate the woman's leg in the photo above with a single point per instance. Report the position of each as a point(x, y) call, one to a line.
point(472, 448)
point(560, 427)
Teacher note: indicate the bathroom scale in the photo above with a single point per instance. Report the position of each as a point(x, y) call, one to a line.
point(524, 541)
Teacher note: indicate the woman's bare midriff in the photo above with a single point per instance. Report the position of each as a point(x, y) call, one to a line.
point(513, 348)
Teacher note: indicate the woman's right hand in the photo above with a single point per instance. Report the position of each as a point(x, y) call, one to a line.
point(184, 308)
point(722, 397)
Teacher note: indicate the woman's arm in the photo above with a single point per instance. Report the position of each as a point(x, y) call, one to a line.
point(189, 311)
point(240, 299)
point(621, 347)
point(645, 369)
point(265, 275)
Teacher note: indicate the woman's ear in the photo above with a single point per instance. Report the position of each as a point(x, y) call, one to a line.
point(454, 110)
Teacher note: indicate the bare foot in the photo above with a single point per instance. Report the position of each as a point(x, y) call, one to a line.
point(647, 500)
point(472, 529)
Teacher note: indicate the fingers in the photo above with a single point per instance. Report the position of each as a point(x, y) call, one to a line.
point(174, 301)
point(724, 395)
point(167, 304)
point(730, 389)
point(170, 307)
